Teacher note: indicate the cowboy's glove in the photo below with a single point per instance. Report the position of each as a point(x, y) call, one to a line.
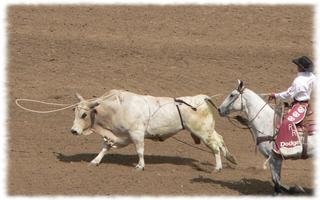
point(272, 96)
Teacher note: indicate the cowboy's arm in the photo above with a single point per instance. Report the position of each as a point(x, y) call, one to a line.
point(286, 94)
point(289, 93)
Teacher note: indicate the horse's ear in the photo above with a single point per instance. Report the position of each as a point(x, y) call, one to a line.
point(79, 97)
point(240, 86)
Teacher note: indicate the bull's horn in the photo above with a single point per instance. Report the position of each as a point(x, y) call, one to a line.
point(93, 104)
point(79, 97)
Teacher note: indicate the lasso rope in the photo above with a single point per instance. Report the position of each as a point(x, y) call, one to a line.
point(66, 106)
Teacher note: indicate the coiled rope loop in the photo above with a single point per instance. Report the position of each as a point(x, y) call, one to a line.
point(66, 106)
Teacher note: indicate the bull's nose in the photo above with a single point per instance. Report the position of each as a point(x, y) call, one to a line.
point(219, 110)
point(74, 132)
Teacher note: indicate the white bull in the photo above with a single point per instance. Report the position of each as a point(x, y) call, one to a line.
point(123, 117)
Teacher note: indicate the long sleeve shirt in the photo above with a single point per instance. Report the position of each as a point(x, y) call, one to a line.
point(301, 88)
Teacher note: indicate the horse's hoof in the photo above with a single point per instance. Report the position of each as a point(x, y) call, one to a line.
point(276, 194)
point(297, 189)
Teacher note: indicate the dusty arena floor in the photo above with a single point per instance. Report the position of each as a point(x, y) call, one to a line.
point(56, 51)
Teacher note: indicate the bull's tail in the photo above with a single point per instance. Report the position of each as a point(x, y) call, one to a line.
point(226, 152)
point(229, 156)
point(211, 104)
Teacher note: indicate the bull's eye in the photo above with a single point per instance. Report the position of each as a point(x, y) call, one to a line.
point(83, 115)
point(231, 95)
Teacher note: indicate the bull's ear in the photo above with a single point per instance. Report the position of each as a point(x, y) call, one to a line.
point(240, 86)
point(93, 104)
point(79, 97)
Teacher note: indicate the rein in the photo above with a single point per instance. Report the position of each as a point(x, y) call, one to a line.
point(248, 122)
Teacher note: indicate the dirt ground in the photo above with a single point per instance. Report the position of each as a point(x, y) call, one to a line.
point(56, 51)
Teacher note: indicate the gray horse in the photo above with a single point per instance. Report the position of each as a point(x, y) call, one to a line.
point(260, 119)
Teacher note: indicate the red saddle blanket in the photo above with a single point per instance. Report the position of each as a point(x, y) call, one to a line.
point(288, 142)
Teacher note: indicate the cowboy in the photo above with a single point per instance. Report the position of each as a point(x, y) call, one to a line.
point(299, 92)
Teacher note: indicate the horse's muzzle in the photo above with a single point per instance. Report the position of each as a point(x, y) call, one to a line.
point(222, 113)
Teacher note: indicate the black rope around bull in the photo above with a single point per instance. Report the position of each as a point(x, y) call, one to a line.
point(191, 145)
point(210, 103)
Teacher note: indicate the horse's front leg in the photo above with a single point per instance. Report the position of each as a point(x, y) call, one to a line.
point(275, 167)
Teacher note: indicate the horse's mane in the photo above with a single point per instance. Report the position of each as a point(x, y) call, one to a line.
point(243, 120)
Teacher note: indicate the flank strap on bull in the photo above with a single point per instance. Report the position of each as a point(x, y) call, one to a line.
point(177, 106)
point(181, 101)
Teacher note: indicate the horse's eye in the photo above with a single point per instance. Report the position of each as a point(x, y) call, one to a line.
point(73, 109)
point(83, 115)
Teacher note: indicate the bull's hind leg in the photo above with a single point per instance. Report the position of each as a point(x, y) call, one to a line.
point(223, 147)
point(215, 142)
point(209, 140)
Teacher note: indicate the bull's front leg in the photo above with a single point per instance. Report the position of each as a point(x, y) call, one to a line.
point(137, 138)
point(105, 147)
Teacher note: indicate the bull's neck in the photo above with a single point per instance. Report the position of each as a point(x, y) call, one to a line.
point(259, 114)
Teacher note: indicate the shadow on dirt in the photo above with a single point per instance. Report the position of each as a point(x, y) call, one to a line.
point(247, 186)
point(127, 160)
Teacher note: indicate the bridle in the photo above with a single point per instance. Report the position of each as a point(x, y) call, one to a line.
point(249, 125)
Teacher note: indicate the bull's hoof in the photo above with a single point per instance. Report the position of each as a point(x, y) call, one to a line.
point(93, 164)
point(139, 168)
point(232, 159)
point(217, 170)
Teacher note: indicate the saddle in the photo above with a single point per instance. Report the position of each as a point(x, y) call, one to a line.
point(295, 145)
point(308, 125)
